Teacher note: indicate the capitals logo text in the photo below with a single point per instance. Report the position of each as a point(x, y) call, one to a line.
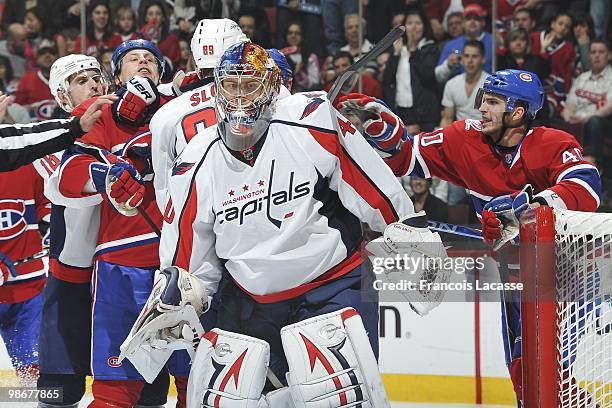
point(260, 201)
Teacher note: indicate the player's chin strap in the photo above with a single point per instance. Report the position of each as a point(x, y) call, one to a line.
point(169, 321)
point(331, 364)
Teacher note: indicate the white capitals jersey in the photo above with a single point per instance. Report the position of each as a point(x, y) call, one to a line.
point(174, 125)
point(290, 218)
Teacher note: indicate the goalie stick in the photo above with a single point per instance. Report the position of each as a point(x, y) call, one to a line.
point(461, 230)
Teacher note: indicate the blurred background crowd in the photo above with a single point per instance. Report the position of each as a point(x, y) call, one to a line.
point(429, 77)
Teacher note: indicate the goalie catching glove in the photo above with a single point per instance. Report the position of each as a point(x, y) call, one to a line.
point(382, 128)
point(420, 255)
point(121, 182)
point(169, 321)
point(501, 215)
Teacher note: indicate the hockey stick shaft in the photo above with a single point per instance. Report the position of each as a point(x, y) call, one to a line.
point(149, 221)
point(455, 229)
point(38, 255)
point(378, 49)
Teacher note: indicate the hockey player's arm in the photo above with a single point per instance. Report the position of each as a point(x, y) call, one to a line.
point(576, 184)
point(187, 239)
point(433, 154)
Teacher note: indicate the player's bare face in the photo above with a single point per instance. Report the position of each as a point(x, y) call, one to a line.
point(492, 111)
point(85, 85)
point(141, 63)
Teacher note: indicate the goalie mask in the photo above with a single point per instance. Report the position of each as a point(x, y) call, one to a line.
point(78, 70)
point(247, 82)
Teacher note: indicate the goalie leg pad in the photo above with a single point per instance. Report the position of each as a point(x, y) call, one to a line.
point(229, 370)
point(331, 362)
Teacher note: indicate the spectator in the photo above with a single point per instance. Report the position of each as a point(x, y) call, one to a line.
point(459, 96)
point(124, 22)
point(422, 199)
point(308, 13)
point(106, 55)
point(589, 104)
point(33, 89)
point(99, 32)
point(460, 91)
point(14, 48)
point(409, 80)
point(583, 32)
point(66, 41)
point(15, 113)
point(155, 27)
point(553, 44)
point(307, 74)
point(333, 12)
point(517, 45)
point(352, 37)
point(35, 33)
point(449, 63)
point(454, 25)
point(369, 86)
point(249, 25)
point(524, 18)
point(381, 63)
point(185, 55)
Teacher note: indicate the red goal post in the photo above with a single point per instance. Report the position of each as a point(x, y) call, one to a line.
point(566, 308)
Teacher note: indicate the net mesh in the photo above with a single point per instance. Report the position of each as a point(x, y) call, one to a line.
point(584, 324)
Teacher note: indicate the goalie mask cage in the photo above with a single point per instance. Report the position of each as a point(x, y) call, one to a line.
point(566, 309)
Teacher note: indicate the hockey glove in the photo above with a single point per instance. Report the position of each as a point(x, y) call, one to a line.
point(424, 255)
point(500, 217)
point(6, 268)
point(137, 98)
point(382, 128)
point(182, 81)
point(121, 183)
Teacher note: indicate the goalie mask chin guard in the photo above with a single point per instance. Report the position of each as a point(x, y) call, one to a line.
point(247, 82)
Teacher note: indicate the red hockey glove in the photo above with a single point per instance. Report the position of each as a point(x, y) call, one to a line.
point(491, 227)
point(382, 128)
point(137, 98)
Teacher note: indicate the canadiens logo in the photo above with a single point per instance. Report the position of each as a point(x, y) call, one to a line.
point(312, 106)
point(526, 77)
point(113, 361)
point(12, 218)
point(181, 168)
point(44, 109)
point(259, 201)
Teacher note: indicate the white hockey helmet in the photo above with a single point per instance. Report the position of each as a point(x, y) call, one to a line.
point(65, 67)
point(211, 38)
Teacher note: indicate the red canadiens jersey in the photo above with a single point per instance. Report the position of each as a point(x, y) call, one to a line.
point(548, 159)
point(22, 205)
point(561, 56)
point(92, 48)
point(122, 240)
point(33, 89)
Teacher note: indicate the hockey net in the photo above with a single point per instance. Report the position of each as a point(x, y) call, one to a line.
point(566, 309)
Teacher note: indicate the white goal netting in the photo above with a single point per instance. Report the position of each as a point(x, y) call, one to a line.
point(583, 247)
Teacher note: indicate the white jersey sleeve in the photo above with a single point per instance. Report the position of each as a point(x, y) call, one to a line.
point(365, 184)
point(188, 218)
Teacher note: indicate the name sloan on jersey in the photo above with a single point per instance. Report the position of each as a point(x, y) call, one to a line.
point(272, 198)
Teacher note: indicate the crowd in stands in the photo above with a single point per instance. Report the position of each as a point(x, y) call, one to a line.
point(429, 77)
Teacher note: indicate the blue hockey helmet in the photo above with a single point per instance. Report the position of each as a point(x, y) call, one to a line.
point(515, 85)
point(283, 65)
point(130, 45)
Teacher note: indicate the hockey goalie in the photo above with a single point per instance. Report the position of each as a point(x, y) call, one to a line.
point(263, 229)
